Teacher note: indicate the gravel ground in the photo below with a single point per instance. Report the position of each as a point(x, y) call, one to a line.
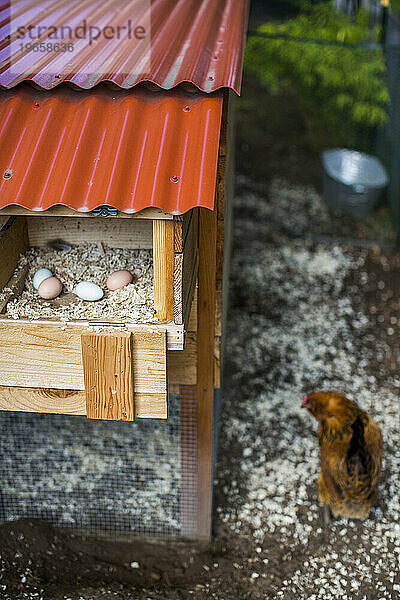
point(300, 322)
point(304, 315)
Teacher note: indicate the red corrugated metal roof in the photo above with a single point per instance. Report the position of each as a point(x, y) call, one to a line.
point(196, 41)
point(126, 149)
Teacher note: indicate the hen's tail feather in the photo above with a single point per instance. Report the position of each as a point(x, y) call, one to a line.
point(357, 454)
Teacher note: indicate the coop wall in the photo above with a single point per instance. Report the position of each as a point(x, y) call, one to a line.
point(115, 477)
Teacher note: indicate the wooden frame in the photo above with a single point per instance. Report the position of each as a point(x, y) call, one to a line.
point(214, 250)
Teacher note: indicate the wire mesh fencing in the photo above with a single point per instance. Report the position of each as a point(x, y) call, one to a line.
point(388, 140)
point(345, 86)
point(103, 476)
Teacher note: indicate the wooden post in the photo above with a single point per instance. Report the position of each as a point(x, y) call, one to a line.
point(205, 367)
point(163, 267)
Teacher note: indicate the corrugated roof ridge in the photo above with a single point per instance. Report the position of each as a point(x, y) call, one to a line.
point(129, 149)
point(213, 54)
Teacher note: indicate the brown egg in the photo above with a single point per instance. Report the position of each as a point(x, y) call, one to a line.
point(50, 288)
point(119, 279)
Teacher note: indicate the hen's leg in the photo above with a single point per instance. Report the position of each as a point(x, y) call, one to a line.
point(326, 514)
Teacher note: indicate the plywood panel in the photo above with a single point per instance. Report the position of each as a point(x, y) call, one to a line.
point(117, 233)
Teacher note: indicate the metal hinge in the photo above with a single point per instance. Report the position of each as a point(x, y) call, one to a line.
point(105, 324)
point(105, 211)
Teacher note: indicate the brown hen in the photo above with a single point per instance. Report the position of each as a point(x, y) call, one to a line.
point(350, 445)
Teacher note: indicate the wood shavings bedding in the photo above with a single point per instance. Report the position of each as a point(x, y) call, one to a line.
point(88, 262)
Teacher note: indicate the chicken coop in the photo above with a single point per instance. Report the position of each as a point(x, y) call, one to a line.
point(115, 156)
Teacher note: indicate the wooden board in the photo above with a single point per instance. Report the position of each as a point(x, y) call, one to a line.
point(108, 372)
point(182, 366)
point(178, 299)
point(211, 266)
point(13, 242)
point(49, 356)
point(175, 333)
point(64, 211)
point(118, 233)
point(182, 225)
point(190, 264)
point(178, 234)
point(72, 402)
point(163, 269)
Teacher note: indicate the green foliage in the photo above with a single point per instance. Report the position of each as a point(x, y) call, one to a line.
point(395, 6)
point(341, 90)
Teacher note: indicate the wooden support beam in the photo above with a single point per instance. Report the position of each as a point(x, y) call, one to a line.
point(63, 211)
point(3, 221)
point(108, 372)
point(224, 202)
point(205, 367)
point(213, 263)
point(163, 268)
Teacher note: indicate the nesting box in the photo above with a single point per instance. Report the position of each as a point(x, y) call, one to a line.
point(120, 366)
point(130, 168)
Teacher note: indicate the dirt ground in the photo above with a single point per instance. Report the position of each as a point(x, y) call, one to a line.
point(314, 304)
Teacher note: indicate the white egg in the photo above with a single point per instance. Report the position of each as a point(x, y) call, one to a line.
point(86, 290)
point(40, 276)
